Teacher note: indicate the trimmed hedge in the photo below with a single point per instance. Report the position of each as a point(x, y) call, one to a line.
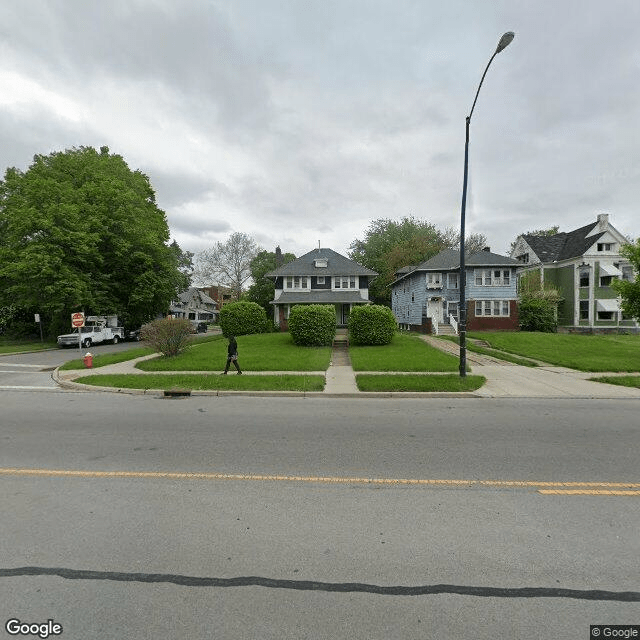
point(371, 325)
point(312, 325)
point(242, 318)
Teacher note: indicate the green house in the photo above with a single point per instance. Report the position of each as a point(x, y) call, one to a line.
point(581, 264)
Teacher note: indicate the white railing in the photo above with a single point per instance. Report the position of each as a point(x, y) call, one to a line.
point(454, 323)
point(434, 325)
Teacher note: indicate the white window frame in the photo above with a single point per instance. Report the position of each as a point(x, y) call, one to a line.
point(297, 283)
point(493, 308)
point(488, 277)
point(320, 279)
point(345, 282)
point(453, 280)
point(434, 280)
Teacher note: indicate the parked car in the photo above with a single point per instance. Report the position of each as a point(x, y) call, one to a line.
point(134, 335)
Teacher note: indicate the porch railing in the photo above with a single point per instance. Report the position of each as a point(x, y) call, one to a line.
point(453, 322)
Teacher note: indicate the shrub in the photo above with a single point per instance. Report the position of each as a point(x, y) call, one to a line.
point(312, 325)
point(169, 336)
point(242, 318)
point(371, 325)
point(537, 314)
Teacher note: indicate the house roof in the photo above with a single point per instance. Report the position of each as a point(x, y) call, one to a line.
point(337, 265)
point(321, 296)
point(191, 294)
point(564, 245)
point(449, 259)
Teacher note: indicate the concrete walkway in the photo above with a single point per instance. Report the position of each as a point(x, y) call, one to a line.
point(504, 379)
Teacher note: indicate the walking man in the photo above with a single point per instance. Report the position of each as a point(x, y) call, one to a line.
point(232, 356)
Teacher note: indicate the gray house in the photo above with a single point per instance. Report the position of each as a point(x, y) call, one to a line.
point(321, 276)
point(426, 297)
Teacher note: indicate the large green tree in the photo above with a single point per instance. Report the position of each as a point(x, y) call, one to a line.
point(389, 245)
point(263, 290)
point(629, 290)
point(79, 230)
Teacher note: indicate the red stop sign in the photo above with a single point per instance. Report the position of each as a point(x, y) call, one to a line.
point(77, 319)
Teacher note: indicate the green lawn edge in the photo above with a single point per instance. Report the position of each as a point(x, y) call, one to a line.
point(206, 382)
point(621, 381)
point(418, 383)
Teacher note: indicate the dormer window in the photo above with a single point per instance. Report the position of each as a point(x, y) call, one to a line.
point(605, 246)
point(320, 263)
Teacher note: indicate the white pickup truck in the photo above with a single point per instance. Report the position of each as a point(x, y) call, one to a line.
point(98, 329)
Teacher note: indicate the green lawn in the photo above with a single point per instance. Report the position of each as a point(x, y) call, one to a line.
point(417, 382)
point(108, 358)
point(258, 352)
point(206, 382)
point(494, 353)
point(405, 353)
point(17, 346)
point(617, 353)
point(623, 381)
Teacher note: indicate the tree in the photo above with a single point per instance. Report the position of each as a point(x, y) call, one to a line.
point(263, 290)
point(228, 263)
point(80, 231)
point(389, 245)
point(552, 231)
point(630, 289)
point(184, 260)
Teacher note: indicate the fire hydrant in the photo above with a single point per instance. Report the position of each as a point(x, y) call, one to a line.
point(88, 360)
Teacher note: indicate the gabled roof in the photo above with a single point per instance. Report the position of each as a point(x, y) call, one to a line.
point(449, 260)
point(563, 246)
point(191, 294)
point(337, 265)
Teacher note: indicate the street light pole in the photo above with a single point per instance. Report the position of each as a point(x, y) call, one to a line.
point(462, 306)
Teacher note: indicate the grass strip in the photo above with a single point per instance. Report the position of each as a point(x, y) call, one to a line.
point(105, 359)
point(203, 382)
point(622, 381)
point(494, 353)
point(18, 346)
point(405, 353)
point(409, 382)
point(620, 353)
point(257, 352)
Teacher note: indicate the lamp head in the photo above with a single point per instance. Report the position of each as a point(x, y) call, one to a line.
point(505, 41)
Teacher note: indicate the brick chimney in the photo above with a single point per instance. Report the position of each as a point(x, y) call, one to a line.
point(278, 257)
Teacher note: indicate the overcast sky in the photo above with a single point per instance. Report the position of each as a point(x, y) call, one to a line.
point(301, 121)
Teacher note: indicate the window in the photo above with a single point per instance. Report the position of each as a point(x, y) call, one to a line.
point(584, 277)
point(627, 273)
point(320, 262)
point(523, 258)
point(584, 309)
point(344, 282)
point(296, 282)
point(493, 308)
point(605, 281)
point(453, 279)
point(605, 315)
point(605, 246)
point(320, 279)
point(493, 277)
point(413, 298)
point(434, 280)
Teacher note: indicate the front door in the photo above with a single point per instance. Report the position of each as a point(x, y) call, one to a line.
point(435, 309)
point(345, 314)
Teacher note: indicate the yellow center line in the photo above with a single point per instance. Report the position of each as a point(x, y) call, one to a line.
point(588, 492)
point(546, 487)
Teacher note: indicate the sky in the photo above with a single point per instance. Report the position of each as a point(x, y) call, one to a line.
point(299, 122)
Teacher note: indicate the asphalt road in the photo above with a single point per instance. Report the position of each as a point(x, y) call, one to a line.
point(149, 552)
point(32, 371)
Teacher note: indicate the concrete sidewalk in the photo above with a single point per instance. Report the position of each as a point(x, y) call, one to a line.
point(504, 379)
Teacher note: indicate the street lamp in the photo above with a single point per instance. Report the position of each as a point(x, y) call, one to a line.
point(462, 307)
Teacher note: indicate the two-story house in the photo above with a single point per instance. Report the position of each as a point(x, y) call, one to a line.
point(581, 265)
point(195, 305)
point(321, 276)
point(426, 297)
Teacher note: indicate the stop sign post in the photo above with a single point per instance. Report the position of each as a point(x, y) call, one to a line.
point(77, 321)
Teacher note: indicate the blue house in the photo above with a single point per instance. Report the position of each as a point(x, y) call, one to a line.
point(426, 297)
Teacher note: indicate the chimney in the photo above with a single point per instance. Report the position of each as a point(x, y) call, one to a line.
point(278, 257)
point(603, 221)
